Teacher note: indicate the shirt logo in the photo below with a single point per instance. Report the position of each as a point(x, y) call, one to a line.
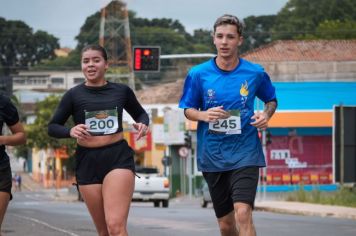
point(244, 93)
point(211, 97)
point(211, 94)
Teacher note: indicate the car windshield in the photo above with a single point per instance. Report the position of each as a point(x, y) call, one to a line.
point(146, 170)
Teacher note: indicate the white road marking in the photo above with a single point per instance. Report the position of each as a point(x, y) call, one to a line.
point(45, 224)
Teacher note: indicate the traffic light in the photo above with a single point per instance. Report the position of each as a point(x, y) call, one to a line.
point(146, 59)
point(187, 140)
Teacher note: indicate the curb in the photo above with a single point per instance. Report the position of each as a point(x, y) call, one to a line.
point(305, 213)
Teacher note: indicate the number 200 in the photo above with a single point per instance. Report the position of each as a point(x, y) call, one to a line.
point(101, 124)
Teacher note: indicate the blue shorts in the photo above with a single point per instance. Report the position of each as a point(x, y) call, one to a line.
point(93, 164)
point(229, 187)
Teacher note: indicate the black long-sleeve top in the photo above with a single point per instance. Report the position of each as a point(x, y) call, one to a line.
point(92, 105)
point(8, 116)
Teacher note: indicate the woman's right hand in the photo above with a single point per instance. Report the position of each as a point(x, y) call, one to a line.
point(79, 132)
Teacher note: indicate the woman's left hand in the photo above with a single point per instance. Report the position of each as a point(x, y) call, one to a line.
point(142, 129)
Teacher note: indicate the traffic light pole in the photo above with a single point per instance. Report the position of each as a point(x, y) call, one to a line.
point(262, 180)
point(190, 177)
point(264, 170)
point(188, 162)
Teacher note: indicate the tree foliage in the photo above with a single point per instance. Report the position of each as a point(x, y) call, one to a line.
point(334, 29)
point(298, 19)
point(302, 17)
point(20, 47)
point(72, 62)
point(37, 132)
point(257, 31)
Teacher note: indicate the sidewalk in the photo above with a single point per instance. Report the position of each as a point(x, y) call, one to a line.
point(287, 207)
point(61, 194)
point(300, 208)
point(28, 183)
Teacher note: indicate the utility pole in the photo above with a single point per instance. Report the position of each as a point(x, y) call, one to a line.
point(342, 143)
point(263, 178)
point(114, 35)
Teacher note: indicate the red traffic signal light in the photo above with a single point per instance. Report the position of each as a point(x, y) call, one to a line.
point(147, 52)
point(146, 59)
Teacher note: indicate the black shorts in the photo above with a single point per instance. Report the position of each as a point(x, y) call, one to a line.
point(229, 187)
point(92, 164)
point(5, 175)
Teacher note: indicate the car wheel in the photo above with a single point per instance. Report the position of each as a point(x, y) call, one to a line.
point(204, 203)
point(165, 203)
point(156, 203)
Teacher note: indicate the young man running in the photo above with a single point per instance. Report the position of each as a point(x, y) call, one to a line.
point(220, 95)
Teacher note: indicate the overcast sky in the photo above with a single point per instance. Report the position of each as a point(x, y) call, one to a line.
point(63, 18)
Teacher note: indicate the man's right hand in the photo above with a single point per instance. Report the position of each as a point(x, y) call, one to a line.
point(215, 113)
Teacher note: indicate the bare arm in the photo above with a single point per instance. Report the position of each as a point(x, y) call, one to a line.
point(210, 115)
point(270, 108)
point(261, 119)
point(17, 137)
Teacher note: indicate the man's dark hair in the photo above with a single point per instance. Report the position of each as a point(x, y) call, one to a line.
point(229, 20)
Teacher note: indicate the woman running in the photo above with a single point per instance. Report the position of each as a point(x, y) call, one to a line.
point(104, 160)
point(9, 116)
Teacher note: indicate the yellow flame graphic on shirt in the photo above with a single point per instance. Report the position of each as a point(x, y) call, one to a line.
point(244, 89)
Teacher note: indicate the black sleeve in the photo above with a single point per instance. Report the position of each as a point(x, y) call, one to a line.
point(56, 126)
point(273, 100)
point(11, 116)
point(134, 108)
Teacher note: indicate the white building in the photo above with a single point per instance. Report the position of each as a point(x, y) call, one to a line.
point(47, 80)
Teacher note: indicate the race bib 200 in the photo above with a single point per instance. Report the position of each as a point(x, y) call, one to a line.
point(102, 122)
point(231, 125)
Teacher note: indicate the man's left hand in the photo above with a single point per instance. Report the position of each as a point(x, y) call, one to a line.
point(261, 120)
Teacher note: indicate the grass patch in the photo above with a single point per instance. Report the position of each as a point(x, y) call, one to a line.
point(342, 197)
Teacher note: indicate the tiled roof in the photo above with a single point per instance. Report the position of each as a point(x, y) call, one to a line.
point(304, 50)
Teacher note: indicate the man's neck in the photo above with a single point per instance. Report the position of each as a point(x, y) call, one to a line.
point(227, 64)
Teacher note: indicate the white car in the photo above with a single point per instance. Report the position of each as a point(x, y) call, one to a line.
point(150, 186)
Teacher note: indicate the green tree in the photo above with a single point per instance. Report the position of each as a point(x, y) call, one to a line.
point(302, 17)
point(169, 40)
point(72, 62)
point(202, 41)
point(37, 132)
point(167, 33)
point(257, 32)
point(89, 32)
point(334, 29)
point(20, 47)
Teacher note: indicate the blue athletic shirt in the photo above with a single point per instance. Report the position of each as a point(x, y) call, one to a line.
point(207, 86)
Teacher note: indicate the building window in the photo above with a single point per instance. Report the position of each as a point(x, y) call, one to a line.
point(78, 80)
point(19, 80)
point(57, 80)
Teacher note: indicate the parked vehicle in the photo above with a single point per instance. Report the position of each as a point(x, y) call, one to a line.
point(150, 186)
point(206, 196)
